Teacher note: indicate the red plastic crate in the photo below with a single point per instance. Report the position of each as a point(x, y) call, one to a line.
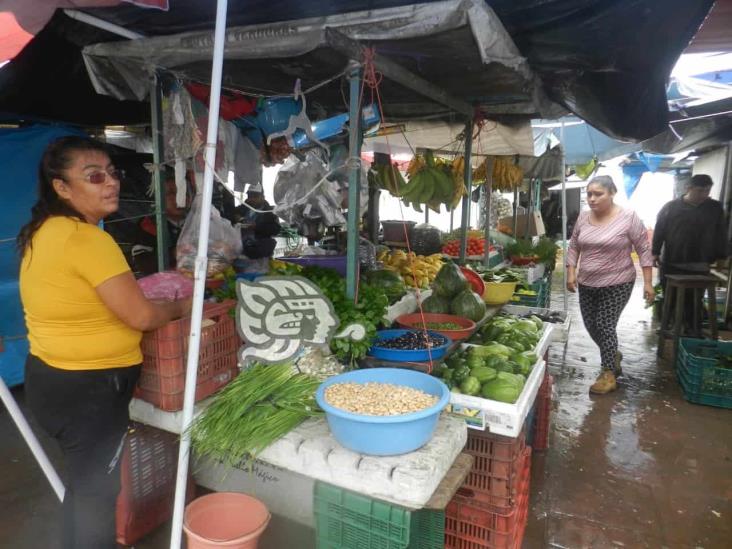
point(165, 351)
point(148, 471)
point(498, 462)
point(543, 413)
point(469, 526)
point(496, 493)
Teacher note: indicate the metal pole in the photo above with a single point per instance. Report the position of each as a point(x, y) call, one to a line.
point(515, 212)
point(31, 440)
point(564, 219)
point(468, 178)
point(156, 96)
point(488, 188)
point(354, 178)
point(530, 207)
point(199, 276)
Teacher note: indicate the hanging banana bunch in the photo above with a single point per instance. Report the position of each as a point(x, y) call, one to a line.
point(507, 175)
point(431, 183)
point(386, 177)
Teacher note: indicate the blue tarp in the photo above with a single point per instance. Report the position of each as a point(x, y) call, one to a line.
point(20, 153)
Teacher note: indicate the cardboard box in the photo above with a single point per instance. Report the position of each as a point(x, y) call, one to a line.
point(536, 224)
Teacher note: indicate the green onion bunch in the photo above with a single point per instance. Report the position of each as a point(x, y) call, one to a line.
point(261, 405)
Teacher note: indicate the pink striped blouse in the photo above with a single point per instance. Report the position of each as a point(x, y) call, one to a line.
point(604, 251)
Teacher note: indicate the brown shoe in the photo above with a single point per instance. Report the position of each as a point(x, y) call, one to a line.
point(604, 384)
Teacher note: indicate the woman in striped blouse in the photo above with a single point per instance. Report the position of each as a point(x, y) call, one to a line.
point(602, 241)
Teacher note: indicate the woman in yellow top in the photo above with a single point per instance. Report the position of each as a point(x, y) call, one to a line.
point(85, 316)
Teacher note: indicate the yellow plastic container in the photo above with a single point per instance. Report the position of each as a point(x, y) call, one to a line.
point(498, 293)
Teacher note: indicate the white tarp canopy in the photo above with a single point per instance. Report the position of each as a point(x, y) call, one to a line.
point(493, 138)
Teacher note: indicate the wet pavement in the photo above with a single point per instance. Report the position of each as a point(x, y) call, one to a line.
point(640, 467)
point(637, 468)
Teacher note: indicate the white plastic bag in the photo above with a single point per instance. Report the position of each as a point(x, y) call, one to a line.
point(224, 242)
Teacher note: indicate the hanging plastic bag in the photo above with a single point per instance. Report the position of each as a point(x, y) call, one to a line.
point(224, 242)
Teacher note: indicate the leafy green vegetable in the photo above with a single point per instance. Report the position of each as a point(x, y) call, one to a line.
point(259, 406)
point(368, 311)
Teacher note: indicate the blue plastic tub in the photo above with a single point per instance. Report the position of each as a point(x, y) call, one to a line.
point(335, 262)
point(417, 355)
point(249, 277)
point(385, 435)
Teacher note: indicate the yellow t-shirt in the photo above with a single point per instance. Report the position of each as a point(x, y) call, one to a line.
point(69, 327)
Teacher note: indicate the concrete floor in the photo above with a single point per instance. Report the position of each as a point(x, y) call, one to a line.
point(637, 468)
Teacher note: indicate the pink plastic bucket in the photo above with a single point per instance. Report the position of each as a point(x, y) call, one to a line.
point(225, 519)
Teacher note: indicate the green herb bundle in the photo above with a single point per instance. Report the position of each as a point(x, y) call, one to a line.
point(261, 405)
point(368, 311)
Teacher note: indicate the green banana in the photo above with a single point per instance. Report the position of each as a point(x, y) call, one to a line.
point(413, 189)
point(428, 188)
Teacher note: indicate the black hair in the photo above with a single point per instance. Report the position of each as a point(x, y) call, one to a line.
point(701, 180)
point(606, 182)
point(56, 159)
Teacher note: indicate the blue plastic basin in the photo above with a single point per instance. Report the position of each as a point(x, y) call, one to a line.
point(385, 435)
point(399, 355)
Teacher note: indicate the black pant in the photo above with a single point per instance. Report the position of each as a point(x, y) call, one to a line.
point(601, 308)
point(87, 412)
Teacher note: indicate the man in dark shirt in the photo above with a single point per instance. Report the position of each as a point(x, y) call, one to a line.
point(690, 231)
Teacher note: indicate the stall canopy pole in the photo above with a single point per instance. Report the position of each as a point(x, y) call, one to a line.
point(199, 275)
point(31, 440)
point(488, 190)
point(564, 219)
point(468, 178)
point(354, 179)
point(156, 102)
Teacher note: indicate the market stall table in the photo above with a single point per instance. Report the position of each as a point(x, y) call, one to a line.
point(284, 474)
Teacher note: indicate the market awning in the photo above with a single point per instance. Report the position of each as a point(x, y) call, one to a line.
point(458, 46)
point(606, 61)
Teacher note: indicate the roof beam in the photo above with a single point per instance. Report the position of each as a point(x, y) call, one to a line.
point(396, 73)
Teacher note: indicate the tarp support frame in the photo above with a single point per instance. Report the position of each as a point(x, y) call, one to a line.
point(158, 174)
point(354, 179)
point(468, 178)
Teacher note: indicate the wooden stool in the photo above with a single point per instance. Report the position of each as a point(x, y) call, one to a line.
point(676, 286)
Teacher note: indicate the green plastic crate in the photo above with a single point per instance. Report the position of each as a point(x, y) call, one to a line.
point(347, 520)
point(701, 379)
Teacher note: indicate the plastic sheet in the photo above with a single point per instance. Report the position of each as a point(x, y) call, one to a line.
point(297, 198)
point(224, 241)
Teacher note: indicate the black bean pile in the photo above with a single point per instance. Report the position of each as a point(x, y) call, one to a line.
point(412, 341)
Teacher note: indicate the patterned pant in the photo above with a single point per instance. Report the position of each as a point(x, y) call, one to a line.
point(601, 308)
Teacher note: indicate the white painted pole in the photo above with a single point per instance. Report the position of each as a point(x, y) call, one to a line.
point(31, 440)
point(199, 275)
point(564, 217)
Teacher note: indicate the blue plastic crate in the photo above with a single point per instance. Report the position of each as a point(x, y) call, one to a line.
point(700, 376)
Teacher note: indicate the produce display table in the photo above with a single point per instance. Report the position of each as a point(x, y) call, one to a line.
point(310, 450)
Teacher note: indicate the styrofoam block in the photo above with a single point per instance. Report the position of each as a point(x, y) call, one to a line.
point(310, 450)
point(408, 480)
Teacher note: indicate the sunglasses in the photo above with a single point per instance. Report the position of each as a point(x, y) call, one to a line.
point(97, 178)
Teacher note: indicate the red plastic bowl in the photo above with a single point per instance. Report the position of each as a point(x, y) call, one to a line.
point(524, 260)
point(476, 282)
point(414, 320)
